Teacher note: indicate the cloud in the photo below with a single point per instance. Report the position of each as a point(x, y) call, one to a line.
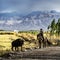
point(9, 22)
point(7, 11)
point(2, 22)
point(12, 22)
point(24, 6)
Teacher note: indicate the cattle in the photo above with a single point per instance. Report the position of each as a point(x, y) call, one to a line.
point(17, 43)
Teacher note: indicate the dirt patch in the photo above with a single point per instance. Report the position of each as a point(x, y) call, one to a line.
point(43, 53)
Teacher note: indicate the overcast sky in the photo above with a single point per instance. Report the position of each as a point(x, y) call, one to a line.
point(25, 6)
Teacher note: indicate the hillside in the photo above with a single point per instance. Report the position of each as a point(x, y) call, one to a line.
point(32, 21)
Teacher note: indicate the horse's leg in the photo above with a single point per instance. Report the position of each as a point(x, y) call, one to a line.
point(44, 43)
point(12, 48)
point(39, 44)
point(48, 43)
point(15, 48)
point(21, 48)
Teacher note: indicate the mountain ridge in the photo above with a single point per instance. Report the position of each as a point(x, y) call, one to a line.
point(32, 21)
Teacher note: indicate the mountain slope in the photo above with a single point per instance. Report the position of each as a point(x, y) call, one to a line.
point(32, 21)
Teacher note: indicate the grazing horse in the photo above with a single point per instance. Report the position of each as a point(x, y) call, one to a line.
point(17, 43)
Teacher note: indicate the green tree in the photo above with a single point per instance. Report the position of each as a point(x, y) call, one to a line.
point(52, 26)
point(58, 27)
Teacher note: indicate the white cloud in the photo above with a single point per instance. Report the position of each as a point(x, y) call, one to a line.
point(18, 21)
point(12, 22)
point(7, 11)
point(2, 22)
point(28, 5)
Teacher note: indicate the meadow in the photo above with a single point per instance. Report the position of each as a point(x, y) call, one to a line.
point(7, 37)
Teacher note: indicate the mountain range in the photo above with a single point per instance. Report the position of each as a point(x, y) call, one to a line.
point(32, 21)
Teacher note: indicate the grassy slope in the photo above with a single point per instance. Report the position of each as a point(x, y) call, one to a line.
point(5, 39)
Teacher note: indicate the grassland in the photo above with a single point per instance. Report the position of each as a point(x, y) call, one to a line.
point(7, 37)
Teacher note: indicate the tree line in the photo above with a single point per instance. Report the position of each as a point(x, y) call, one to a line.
point(54, 27)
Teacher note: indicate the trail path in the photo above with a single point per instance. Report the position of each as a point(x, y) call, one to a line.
point(48, 53)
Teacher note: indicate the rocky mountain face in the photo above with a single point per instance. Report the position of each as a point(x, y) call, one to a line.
point(32, 21)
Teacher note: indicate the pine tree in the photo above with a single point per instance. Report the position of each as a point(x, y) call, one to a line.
point(58, 27)
point(52, 26)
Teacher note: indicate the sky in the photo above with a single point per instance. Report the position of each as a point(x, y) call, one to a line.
point(26, 6)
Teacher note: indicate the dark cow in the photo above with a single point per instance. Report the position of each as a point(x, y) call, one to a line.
point(17, 43)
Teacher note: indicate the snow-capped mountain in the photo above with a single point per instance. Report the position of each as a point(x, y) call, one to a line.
point(32, 21)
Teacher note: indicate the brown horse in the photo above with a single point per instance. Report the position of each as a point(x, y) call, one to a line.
point(43, 42)
point(40, 40)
